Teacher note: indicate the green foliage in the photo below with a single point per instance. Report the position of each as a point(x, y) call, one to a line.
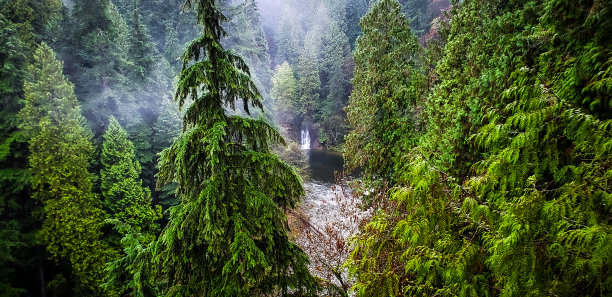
point(419, 14)
point(124, 197)
point(507, 193)
point(308, 73)
point(60, 151)
point(97, 59)
point(227, 237)
point(335, 65)
point(246, 37)
point(285, 94)
point(355, 10)
point(22, 23)
point(288, 35)
point(141, 50)
point(387, 84)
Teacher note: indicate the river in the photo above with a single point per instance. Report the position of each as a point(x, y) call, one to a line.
point(319, 184)
point(329, 216)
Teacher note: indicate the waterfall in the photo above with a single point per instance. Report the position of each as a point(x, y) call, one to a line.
point(305, 138)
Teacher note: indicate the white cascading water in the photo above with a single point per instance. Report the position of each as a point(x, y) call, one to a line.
point(305, 139)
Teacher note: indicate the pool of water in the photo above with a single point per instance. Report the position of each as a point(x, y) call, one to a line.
point(323, 165)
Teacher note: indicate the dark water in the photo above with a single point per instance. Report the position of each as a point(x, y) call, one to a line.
point(323, 164)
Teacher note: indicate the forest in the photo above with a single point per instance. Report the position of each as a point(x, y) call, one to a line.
point(305, 148)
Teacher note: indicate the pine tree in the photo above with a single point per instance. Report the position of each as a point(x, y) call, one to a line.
point(124, 197)
point(419, 14)
point(167, 128)
point(228, 237)
point(13, 174)
point(355, 9)
point(60, 152)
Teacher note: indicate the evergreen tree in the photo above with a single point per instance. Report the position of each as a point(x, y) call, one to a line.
point(247, 38)
point(335, 52)
point(508, 192)
point(60, 152)
point(124, 197)
point(285, 95)
point(228, 237)
point(167, 128)
point(141, 50)
point(97, 59)
point(288, 34)
point(309, 80)
point(387, 84)
point(355, 9)
point(172, 50)
point(13, 174)
point(22, 23)
point(419, 14)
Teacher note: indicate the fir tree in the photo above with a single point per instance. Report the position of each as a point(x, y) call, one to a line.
point(141, 50)
point(167, 128)
point(288, 34)
point(228, 237)
point(247, 38)
point(285, 94)
point(124, 197)
point(97, 59)
point(60, 152)
point(13, 174)
point(387, 86)
point(335, 58)
point(308, 73)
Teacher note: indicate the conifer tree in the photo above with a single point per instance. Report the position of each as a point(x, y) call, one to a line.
point(124, 197)
point(419, 14)
point(141, 50)
point(167, 128)
point(289, 32)
point(228, 236)
point(13, 174)
point(335, 55)
point(60, 152)
point(355, 9)
point(247, 38)
point(387, 84)
point(508, 192)
point(97, 60)
point(285, 94)
point(309, 80)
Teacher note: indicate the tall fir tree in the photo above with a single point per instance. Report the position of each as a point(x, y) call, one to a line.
point(285, 95)
point(60, 153)
point(141, 50)
point(288, 35)
point(22, 24)
point(228, 236)
point(124, 197)
point(248, 39)
point(97, 59)
point(336, 68)
point(387, 84)
point(309, 80)
point(13, 172)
